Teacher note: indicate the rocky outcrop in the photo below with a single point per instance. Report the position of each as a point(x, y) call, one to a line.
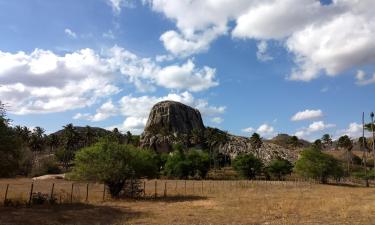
point(168, 121)
point(237, 145)
point(172, 122)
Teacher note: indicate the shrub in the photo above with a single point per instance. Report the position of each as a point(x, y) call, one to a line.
point(247, 165)
point(114, 164)
point(279, 168)
point(316, 164)
point(194, 163)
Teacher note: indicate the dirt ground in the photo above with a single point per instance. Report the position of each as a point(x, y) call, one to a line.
point(210, 202)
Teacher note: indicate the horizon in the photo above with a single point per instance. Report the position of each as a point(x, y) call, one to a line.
point(105, 63)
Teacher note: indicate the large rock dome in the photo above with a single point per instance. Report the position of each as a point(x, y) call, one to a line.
point(167, 120)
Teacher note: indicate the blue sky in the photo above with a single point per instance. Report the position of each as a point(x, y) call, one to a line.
point(298, 67)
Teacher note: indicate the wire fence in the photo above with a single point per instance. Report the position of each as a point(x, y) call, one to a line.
point(62, 192)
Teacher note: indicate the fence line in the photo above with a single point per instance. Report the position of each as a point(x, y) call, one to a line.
point(72, 192)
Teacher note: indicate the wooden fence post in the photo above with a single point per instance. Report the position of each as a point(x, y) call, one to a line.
point(31, 193)
point(6, 194)
point(193, 186)
point(144, 188)
point(52, 189)
point(185, 187)
point(156, 185)
point(202, 186)
point(165, 189)
point(103, 192)
point(132, 189)
point(87, 192)
point(71, 193)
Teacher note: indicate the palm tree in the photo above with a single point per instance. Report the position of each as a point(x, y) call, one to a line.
point(53, 142)
point(346, 143)
point(89, 136)
point(256, 143)
point(327, 140)
point(70, 143)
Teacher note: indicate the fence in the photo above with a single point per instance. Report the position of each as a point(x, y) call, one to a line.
point(61, 191)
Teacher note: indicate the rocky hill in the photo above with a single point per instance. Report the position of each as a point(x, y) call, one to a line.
point(172, 122)
point(169, 121)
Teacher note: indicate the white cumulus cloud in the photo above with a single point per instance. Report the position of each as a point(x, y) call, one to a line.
point(307, 115)
point(313, 128)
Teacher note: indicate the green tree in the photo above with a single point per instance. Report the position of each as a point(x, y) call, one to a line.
point(318, 165)
point(247, 165)
point(318, 145)
point(294, 142)
point(326, 140)
point(11, 151)
point(70, 143)
point(346, 143)
point(256, 143)
point(279, 168)
point(213, 139)
point(89, 136)
point(114, 164)
point(37, 140)
point(53, 142)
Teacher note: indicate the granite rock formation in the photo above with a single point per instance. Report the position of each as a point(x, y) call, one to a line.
point(172, 122)
point(167, 122)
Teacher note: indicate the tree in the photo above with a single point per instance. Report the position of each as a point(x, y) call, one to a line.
point(247, 165)
point(327, 140)
point(53, 142)
point(11, 151)
point(114, 164)
point(89, 136)
point(279, 168)
point(214, 138)
point(256, 143)
point(346, 143)
point(194, 163)
point(318, 165)
point(294, 142)
point(317, 144)
point(37, 140)
point(129, 137)
point(70, 144)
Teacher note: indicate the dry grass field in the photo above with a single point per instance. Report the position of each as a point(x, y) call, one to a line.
point(208, 202)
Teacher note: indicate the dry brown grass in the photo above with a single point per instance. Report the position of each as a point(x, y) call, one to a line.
point(221, 202)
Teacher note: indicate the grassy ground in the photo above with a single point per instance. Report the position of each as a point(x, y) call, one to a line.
point(220, 202)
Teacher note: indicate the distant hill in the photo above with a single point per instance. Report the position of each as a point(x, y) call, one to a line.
point(284, 140)
point(97, 131)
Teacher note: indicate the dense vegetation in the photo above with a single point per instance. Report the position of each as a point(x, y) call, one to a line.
point(315, 164)
point(115, 158)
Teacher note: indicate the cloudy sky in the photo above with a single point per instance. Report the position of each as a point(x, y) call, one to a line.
point(303, 67)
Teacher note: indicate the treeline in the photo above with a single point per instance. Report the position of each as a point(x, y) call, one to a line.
point(29, 152)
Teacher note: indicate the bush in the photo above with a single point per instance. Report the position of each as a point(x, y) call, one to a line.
point(114, 164)
point(194, 163)
point(279, 168)
point(247, 165)
point(318, 165)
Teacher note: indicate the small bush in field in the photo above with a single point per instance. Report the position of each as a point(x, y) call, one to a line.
point(114, 164)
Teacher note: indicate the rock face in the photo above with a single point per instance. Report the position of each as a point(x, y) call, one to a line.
point(173, 122)
point(167, 120)
point(237, 144)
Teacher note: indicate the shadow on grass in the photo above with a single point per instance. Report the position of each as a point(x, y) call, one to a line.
point(348, 185)
point(82, 214)
point(175, 198)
